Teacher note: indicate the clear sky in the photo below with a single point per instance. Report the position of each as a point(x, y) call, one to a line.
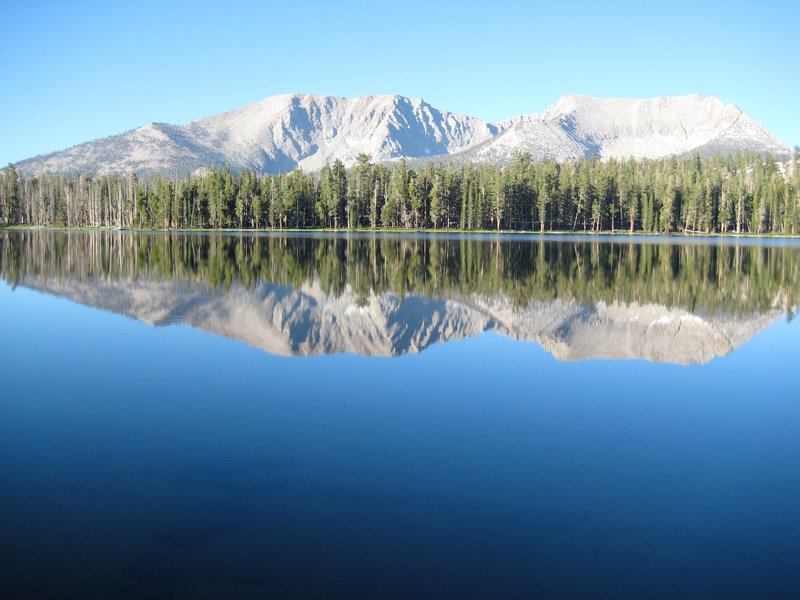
point(75, 71)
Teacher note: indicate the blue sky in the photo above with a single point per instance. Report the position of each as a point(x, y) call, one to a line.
point(75, 71)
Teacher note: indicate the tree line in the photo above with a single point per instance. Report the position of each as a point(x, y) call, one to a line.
point(746, 193)
point(738, 279)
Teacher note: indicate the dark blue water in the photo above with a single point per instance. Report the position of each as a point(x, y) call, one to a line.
point(173, 462)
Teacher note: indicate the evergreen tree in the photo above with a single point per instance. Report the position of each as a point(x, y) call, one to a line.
point(10, 190)
point(741, 194)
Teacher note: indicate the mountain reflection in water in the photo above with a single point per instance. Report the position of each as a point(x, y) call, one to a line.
point(388, 295)
point(144, 462)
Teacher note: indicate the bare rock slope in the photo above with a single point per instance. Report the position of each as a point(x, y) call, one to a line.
point(283, 132)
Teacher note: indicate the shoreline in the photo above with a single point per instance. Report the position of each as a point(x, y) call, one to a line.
point(425, 231)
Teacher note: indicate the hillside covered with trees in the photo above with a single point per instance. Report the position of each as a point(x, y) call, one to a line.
point(740, 194)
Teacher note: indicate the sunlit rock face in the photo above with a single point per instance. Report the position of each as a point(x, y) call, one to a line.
point(283, 132)
point(581, 126)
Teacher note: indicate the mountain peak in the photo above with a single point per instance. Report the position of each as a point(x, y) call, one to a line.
point(570, 103)
point(283, 132)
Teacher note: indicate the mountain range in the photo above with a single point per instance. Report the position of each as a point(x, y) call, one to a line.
point(284, 132)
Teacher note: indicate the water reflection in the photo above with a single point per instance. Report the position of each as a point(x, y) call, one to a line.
point(392, 295)
point(159, 463)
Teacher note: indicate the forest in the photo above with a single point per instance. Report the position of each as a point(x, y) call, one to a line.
point(742, 194)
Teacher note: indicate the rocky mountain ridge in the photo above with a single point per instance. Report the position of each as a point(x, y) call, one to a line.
point(284, 132)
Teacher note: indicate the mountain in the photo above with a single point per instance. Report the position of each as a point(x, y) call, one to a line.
point(306, 320)
point(581, 126)
point(277, 135)
point(301, 130)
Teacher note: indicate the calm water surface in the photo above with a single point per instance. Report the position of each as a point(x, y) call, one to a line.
point(209, 416)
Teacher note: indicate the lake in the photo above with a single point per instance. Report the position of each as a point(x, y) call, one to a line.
point(191, 415)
